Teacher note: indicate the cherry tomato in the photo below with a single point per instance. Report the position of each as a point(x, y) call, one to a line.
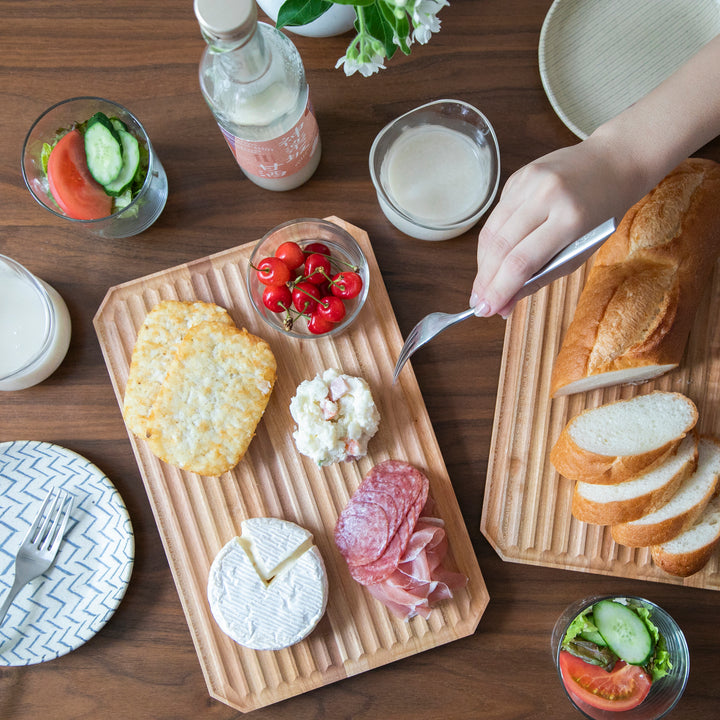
point(74, 189)
point(291, 254)
point(317, 268)
point(318, 325)
point(317, 247)
point(331, 308)
point(346, 285)
point(305, 296)
point(277, 298)
point(273, 271)
point(623, 688)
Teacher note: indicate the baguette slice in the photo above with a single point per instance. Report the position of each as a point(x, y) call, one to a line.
point(635, 312)
point(681, 511)
point(614, 442)
point(689, 552)
point(629, 500)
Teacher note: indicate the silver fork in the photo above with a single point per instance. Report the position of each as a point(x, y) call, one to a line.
point(40, 545)
point(566, 261)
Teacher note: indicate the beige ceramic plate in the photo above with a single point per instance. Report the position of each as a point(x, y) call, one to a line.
point(597, 58)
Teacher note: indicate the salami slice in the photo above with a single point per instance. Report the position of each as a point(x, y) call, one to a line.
point(384, 566)
point(362, 532)
point(374, 530)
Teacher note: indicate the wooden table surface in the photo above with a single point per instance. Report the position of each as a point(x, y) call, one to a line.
point(144, 54)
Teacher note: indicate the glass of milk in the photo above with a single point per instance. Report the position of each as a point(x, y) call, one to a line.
point(34, 327)
point(436, 169)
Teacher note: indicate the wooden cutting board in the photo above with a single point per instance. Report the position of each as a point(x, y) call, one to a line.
point(526, 512)
point(196, 516)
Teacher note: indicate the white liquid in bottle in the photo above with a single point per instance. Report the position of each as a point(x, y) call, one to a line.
point(253, 80)
point(34, 328)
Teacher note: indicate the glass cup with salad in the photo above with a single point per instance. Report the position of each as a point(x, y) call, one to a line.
point(90, 161)
point(620, 656)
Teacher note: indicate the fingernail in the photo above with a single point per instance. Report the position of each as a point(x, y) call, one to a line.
point(473, 299)
point(482, 309)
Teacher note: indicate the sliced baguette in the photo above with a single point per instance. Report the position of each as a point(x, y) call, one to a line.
point(683, 508)
point(689, 552)
point(629, 500)
point(619, 440)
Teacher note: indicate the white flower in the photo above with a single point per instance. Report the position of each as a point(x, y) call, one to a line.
point(424, 17)
point(367, 68)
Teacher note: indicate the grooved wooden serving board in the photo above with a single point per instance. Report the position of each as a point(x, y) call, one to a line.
point(526, 513)
point(196, 516)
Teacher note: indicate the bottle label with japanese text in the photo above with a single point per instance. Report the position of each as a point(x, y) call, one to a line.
point(280, 156)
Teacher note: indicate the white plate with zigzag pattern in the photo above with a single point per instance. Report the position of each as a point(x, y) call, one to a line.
point(72, 601)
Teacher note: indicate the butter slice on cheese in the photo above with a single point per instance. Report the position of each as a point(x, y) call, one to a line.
point(271, 612)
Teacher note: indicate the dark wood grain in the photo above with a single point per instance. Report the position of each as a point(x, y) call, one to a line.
point(144, 54)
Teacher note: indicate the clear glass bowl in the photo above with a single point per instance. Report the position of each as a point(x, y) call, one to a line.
point(408, 148)
point(343, 247)
point(134, 218)
point(664, 693)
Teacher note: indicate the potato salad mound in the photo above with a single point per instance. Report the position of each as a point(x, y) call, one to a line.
point(336, 417)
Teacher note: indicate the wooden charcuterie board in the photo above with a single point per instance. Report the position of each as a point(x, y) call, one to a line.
point(526, 513)
point(196, 516)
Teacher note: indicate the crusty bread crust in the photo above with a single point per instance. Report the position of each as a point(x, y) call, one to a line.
point(575, 463)
point(623, 511)
point(578, 463)
point(684, 564)
point(642, 292)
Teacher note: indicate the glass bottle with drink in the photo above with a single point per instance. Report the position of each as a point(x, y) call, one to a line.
point(253, 80)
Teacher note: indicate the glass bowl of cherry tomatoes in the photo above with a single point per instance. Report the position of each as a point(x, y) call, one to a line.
point(308, 278)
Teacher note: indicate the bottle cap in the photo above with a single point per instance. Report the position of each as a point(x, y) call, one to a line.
point(225, 19)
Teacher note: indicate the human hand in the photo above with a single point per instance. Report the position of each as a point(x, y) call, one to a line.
point(543, 207)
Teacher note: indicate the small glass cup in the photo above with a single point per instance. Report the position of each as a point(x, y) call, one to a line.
point(34, 327)
point(343, 247)
point(436, 169)
point(664, 693)
point(135, 217)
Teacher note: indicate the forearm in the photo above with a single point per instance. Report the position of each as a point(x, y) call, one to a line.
point(670, 123)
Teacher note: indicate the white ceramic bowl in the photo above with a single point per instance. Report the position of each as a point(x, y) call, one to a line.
point(423, 190)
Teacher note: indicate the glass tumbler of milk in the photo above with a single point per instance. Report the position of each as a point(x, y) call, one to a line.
point(34, 327)
point(436, 169)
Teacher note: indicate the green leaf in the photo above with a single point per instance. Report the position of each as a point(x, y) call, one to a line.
point(363, 3)
point(45, 155)
point(301, 12)
point(401, 25)
point(380, 28)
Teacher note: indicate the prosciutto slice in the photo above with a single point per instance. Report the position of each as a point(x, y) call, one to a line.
point(420, 580)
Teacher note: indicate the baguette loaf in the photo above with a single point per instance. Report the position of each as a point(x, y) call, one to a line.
point(619, 440)
point(688, 552)
point(682, 509)
point(630, 500)
point(637, 307)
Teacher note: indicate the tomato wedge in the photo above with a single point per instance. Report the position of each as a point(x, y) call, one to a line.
point(74, 189)
point(624, 688)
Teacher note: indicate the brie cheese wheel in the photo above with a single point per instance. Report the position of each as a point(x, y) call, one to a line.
point(268, 588)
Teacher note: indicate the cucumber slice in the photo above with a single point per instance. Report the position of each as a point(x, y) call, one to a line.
point(624, 631)
point(103, 149)
point(593, 637)
point(130, 164)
